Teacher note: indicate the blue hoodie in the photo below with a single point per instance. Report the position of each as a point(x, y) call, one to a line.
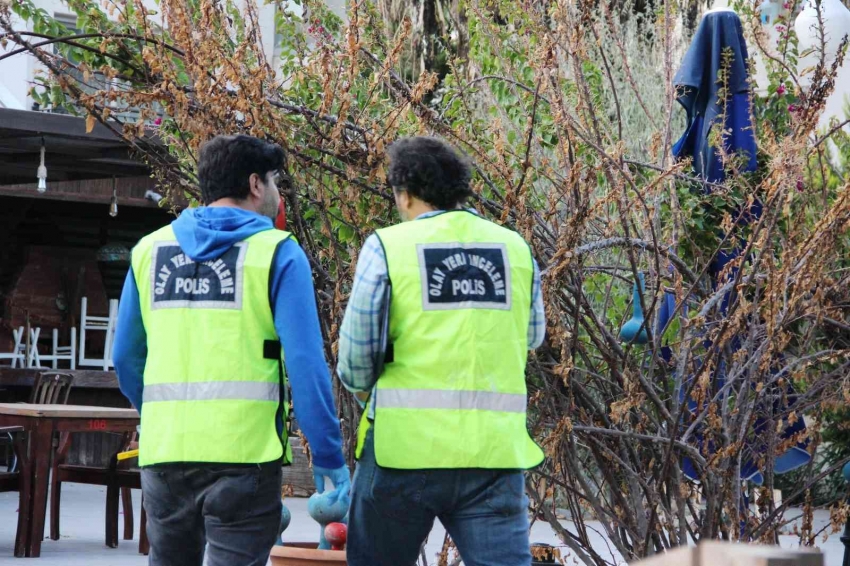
point(205, 234)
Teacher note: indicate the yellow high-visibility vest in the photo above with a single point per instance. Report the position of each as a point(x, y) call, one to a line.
point(454, 393)
point(214, 382)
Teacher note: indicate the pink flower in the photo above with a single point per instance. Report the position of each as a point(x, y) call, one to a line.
point(800, 186)
point(787, 5)
point(780, 29)
point(158, 121)
point(780, 90)
point(318, 30)
point(792, 108)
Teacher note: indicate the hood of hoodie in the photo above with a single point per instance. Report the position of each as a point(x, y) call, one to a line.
point(206, 233)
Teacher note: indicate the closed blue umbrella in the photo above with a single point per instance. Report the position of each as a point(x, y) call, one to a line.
point(718, 49)
point(713, 87)
point(711, 82)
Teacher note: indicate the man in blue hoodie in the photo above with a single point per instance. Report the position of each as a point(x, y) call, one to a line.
point(217, 309)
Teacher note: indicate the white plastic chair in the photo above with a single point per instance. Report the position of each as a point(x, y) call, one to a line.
point(33, 357)
point(97, 324)
point(60, 353)
point(17, 354)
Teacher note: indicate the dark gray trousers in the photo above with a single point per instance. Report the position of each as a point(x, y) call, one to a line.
point(234, 509)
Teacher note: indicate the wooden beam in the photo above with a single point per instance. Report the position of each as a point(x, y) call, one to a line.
point(31, 192)
point(45, 123)
point(130, 191)
point(25, 165)
point(96, 379)
point(78, 149)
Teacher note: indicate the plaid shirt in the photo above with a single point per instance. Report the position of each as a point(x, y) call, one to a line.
point(359, 337)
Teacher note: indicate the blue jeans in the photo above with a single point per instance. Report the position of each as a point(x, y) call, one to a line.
point(234, 509)
point(392, 511)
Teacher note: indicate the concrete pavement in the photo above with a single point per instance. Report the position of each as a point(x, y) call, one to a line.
point(82, 529)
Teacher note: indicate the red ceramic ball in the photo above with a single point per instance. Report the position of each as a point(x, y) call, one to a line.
point(336, 533)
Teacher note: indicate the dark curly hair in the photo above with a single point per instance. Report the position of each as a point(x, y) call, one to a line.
point(226, 164)
point(431, 170)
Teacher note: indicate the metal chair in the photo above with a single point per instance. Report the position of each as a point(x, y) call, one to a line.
point(8, 437)
point(10, 480)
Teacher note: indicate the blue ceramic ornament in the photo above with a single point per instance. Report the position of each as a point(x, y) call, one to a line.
point(285, 519)
point(635, 328)
point(325, 508)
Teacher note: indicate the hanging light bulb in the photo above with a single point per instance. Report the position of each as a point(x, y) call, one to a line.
point(42, 171)
point(113, 204)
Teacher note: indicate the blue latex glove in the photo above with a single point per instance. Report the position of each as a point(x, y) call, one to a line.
point(340, 477)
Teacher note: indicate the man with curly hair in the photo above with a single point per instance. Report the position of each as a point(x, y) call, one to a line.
point(444, 309)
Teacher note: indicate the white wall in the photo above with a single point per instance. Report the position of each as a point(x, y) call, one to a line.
point(14, 74)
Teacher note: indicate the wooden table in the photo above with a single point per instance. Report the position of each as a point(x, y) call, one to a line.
point(40, 422)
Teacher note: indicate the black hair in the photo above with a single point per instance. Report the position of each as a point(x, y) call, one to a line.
point(431, 170)
point(227, 162)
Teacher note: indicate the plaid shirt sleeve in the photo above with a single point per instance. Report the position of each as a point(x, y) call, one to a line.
point(537, 322)
point(359, 336)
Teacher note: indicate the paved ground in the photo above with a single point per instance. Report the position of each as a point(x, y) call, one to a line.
point(83, 533)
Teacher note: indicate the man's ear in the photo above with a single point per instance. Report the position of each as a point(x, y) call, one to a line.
point(402, 199)
point(255, 186)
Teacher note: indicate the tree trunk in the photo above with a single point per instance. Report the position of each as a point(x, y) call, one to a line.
point(429, 29)
point(461, 22)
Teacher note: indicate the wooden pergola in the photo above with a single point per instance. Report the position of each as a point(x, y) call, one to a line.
point(80, 165)
point(71, 221)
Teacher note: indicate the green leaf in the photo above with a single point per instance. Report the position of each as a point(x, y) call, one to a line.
point(346, 233)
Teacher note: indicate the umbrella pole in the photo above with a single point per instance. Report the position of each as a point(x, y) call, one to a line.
point(745, 507)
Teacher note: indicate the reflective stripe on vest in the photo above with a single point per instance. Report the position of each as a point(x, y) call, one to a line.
point(211, 390)
point(451, 399)
point(210, 393)
point(454, 393)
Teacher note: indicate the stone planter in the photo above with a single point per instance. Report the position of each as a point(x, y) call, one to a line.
point(306, 554)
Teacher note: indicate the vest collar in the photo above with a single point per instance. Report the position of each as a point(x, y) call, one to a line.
point(431, 213)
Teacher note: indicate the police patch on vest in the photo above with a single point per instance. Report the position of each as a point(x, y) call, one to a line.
point(465, 276)
point(179, 282)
